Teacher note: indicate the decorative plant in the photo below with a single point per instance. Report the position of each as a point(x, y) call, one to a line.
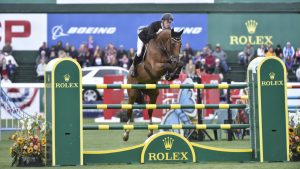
point(29, 144)
point(294, 138)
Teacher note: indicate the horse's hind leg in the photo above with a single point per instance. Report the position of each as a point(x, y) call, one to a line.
point(153, 94)
point(132, 95)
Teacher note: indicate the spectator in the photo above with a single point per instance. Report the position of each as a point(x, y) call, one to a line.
point(8, 58)
point(2, 62)
point(298, 74)
point(297, 57)
point(197, 60)
point(45, 48)
point(288, 51)
point(187, 53)
point(190, 68)
point(261, 51)
point(67, 48)
point(269, 45)
point(82, 52)
point(130, 57)
point(5, 78)
point(7, 48)
point(208, 47)
point(270, 52)
point(52, 55)
point(124, 61)
point(90, 44)
point(248, 53)
point(98, 56)
point(111, 55)
point(58, 47)
point(98, 61)
point(222, 56)
point(11, 69)
point(61, 54)
point(242, 58)
point(41, 56)
point(73, 53)
point(89, 59)
point(40, 70)
point(218, 69)
point(121, 52)
point(288, 63)
point(278, 51)
point(210, 63)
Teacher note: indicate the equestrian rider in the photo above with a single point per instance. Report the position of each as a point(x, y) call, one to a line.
point(148, 33)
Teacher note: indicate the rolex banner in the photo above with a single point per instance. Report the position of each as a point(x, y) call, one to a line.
point(167, 146)
point(234, 31)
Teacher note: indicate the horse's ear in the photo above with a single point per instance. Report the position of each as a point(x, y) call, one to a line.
point(172, 32)
point(180, 33)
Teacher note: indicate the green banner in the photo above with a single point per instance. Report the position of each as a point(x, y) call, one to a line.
point(234, 31)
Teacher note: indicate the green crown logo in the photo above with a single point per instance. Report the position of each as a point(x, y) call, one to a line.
point(67, 77)
point(272, 75)
point(168, 143)
point(251, 26)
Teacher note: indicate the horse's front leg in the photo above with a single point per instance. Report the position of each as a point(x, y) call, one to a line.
point(168, 70)
point(175, 74)
point(153, 94)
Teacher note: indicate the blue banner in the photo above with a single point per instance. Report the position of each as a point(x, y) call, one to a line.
point(120, 29)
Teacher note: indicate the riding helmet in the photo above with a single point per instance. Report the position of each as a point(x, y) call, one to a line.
point(167, 16)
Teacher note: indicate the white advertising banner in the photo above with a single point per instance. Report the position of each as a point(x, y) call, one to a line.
point(24, 31)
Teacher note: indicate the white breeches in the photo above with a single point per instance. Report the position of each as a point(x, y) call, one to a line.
point(139, 47)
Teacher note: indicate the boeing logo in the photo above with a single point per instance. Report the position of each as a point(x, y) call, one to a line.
point(57, 31)
point(189, 30)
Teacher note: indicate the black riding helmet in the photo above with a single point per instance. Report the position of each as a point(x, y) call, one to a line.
point(167, 16)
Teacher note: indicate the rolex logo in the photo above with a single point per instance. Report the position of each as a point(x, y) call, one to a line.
point(67, 77)
point(272, 75)
point(251, 26)
point(168, 143)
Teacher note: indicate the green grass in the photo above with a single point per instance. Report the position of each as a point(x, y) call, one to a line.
point(104, 140)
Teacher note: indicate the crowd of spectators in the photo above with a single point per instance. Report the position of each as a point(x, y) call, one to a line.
point(90, 54)
point(8, 63)
point(287, 54)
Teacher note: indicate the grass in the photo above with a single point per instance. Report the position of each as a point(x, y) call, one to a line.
point(104, 140)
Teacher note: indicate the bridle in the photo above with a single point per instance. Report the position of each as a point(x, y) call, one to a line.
point(172, 58)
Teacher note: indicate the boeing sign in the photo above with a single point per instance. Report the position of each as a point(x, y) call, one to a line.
point(57, 31)
point(120, 29)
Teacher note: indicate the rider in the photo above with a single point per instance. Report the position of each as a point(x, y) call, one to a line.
point(149, 33)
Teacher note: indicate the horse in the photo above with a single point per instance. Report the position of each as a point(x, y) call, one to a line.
point(161, 58)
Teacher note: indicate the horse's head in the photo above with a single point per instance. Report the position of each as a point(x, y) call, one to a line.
point(171, 45)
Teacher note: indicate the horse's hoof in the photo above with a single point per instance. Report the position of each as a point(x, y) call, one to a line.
point(125, 137)
point(150, 134)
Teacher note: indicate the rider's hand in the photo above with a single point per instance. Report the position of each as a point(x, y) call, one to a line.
point(158, 32)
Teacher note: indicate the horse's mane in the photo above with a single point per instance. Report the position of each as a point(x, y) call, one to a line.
point(164, 35)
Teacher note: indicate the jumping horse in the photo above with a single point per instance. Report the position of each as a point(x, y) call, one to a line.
point(161, 58)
